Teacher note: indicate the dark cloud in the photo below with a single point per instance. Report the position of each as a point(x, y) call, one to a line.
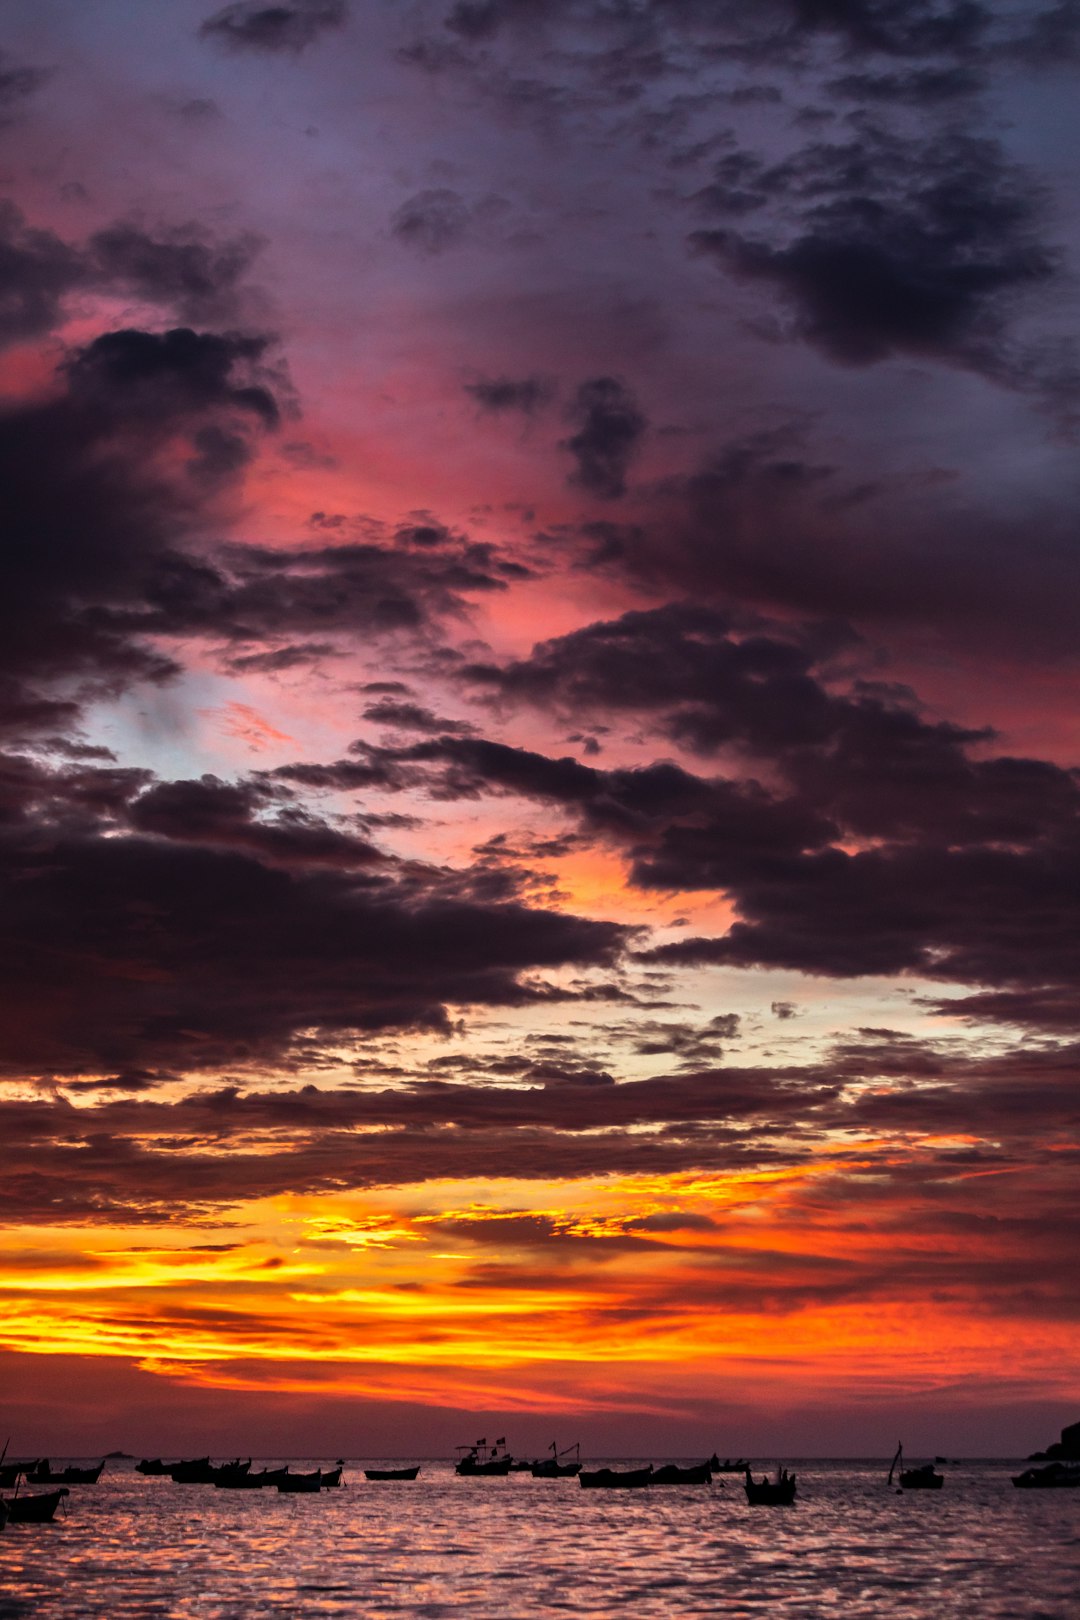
point(918, 87)
point(301, 656)
point(893, 245)
point(182, 268)
point(414, 717)
point(715, 675)
point(198, 278)
point(206, 923)
point(526, 394)
point(103, 480)
point(248, 815)
point(896, 27)
point(17, 84)
point(610, 430)
point(165, 376)
point(767, 523)
point(37, 271)
point(886, 842)
point(251, 25)
point(111, 485)
point(432, 221)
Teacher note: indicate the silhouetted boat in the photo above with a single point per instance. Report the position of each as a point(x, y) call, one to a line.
point(483, 1461)
point(923, 1478)
point(44, 1475)
point(391, 1473)
point(552, 1468)
point(615, 1479)
point(671, 1474)
point(739, 1466)
point(37, 1509)
point(3, 1513)
point(779, 1492)
point(192, 1471)
point(153, 1466)
point(10, 1473)
point(317, 1481)
point(1056, 1476)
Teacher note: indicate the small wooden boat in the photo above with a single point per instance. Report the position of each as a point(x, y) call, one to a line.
point(192, 1471)
point(1056, 1476)
point(201, 1471)
point(481, 1461)
point(294, 1483)
point(44, 1475)
point(391, 1473)
point(778, 1492)
point(615, 1479)
point(553, 1468)
point(251, 1482)
point(737, 1466)
point(37, 1509)
point(924, 1478)
point(671, 1474)
point(11, 1473)
point(152, 1467)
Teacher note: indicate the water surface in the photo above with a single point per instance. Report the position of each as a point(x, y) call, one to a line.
point(145, 1549)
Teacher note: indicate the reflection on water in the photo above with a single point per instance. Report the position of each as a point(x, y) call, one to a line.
point(522, 1547)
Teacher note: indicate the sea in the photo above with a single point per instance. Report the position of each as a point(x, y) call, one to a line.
point(848, 1547)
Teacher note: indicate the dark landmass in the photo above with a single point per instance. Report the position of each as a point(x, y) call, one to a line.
point(1067, 1449)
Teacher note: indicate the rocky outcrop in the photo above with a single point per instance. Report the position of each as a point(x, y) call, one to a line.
point(1067, 1449)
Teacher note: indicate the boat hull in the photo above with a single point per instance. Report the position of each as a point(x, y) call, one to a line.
point(34, 1509)
point(612, 1479)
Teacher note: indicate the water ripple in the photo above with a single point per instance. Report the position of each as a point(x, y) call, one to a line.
point(132, 1548)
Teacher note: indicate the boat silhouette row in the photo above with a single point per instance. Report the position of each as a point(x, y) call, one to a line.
point(474, 1461)
point(238, 1476)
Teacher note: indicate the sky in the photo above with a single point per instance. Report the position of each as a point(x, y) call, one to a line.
point(538, 687)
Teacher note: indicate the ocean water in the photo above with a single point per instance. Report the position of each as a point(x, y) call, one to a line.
point(849, 1547)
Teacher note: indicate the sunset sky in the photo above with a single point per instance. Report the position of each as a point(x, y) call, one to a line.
point(539, 841)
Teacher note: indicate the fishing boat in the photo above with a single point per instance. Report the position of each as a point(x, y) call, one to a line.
point(615, 1479)
point(737, 1466)
point(320, 1480)
point(672, 1474)
point(483, 1461)
point(1056, 1476)
point(153, 1467)
point(552, 1468)
point(37, 1509)
point(201, 1471)
point(248, 1481)
point(923, 1478)
point(192, 1471)
point(12, 1472)
point(391, 1473)
point(303, 1482)
point(44, 1475)
point(779, 1492)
